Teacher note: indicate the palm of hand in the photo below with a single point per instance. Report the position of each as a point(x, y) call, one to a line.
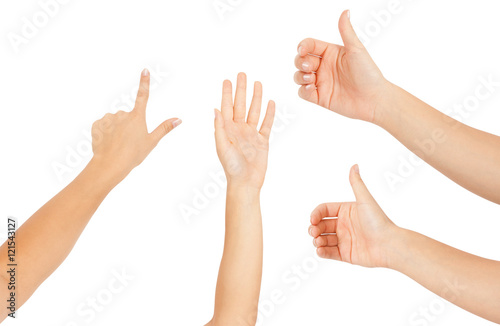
point(343, 79)
point(358, 230)
point(348, 82)
point(355, 232)
point(242, 149)
point(245, 157)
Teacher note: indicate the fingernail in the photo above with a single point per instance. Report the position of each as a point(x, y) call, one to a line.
point(348, 14)
point(356, 168)
point(314, 242)
point(305, 65)
point(307, 77)
point(300, 50)
point(310, 231)
point(176, 123)
point(309, 87)
point(145, 72)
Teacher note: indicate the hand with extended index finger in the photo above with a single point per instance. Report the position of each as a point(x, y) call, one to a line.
point(121, 141)
point(242, 149)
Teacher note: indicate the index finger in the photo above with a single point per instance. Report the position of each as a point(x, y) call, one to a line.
point(143, 93)
point(325, 210)
point(312, 46)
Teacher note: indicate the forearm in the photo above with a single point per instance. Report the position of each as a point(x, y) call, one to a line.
point(468, 156)
point(238, 284)
point(47, 237)
point(466, 280)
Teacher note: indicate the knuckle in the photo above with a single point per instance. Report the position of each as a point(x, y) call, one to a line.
point(121, 114)
point(298, 59)
point(297, 76)
point(302, 93)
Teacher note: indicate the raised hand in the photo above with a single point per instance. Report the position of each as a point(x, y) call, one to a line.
point(242, 149)
point(343, 79)
point(121, 141)
point(354, 232)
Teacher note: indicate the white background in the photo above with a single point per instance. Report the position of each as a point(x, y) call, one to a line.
point(90, 54)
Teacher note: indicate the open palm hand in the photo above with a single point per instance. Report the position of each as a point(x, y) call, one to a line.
point(242, 149)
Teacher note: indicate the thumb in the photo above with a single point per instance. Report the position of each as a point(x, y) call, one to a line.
point(358, 186)
point(164, 128)
point(351, 40)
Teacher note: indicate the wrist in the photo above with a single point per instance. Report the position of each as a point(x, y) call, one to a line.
point(102, 173)
point(243, 189)
point(243, 183)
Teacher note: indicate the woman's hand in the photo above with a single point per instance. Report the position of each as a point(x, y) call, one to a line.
point(121, 141)
point(242, 149)
point(358, 233)
point(343, 79)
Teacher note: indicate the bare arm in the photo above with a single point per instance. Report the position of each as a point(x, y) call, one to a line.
point(468, 156)
point(238, 284)
point(344, 79)
point(243, 152)
point(361, 233)
point(120, 143)
point(468, 281)
point(47, 237)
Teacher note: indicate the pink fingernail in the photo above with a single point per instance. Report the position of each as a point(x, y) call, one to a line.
point(348, 14)
point(310, 231)
point(300, 50)
point(309, 87)
point(305, 65)
point(307, 77)
point(145, 72)
point(175, 123)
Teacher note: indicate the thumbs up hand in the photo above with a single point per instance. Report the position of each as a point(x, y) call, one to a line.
point(343, 79)
point(355, 232)
point(121, 141)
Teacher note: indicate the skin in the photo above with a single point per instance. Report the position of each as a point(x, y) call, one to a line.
point(344, 79)
point(120, 142)
point(243, 152)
